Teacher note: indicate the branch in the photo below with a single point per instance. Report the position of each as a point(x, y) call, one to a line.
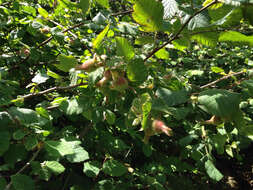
point(24, 167)
point(66, 30)
point(51, 90)
point(175, 36)
point(221, 79)
point(122, 13)
point(58, 24)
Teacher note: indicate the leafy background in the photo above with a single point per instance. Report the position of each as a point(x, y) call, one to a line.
point(185, 63)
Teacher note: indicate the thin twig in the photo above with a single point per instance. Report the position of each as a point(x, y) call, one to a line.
point(24, 167)
point(56, 88)
point(175, 36)
point(58, 24)
point(221, 79)
point(122, 13)
point(66, 30)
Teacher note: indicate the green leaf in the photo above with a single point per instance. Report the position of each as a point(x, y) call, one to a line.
point(147, 149)
point(236, 37)
point(212, 171)
point(172, 98)
point(19, 134)
point(31, 142)
point(85, 5)
point(222, 103)
point(71, 107)
point(124, 48)
point(79, 155)
point(170, 8)
point(232, 18)
point(55, 167)
point(249, 85)
point(206, 38)
point(149, 14)
point(25, 116)
point(4, 142)
point(110, 117)
point(162, 54)
point(41, 170)
point(15, 153)
point(40, 77)
point(3, 183)
point(97, 42)
point(91, 169)
point(66, 62)
point(22, 182)
point(29, 10)
point(201, 20)
point(58, 148)
point(43, 12)
point(114, 168)
point(219, 142)
point(146, 108)
point(137, 71)
point(247, 13)
point(104, 3)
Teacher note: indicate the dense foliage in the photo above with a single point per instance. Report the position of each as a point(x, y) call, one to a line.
point(127, 94)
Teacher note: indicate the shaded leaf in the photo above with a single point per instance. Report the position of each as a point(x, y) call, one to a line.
point(114, 168)
point(91, 169)
point(222, 103)
point(137, 71)
point(22, 182)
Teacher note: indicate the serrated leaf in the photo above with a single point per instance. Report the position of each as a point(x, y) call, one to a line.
point(41, 170)
point(170, 8)
point(59, 148)
point(79, 155)
point(249, 85)
point(137, 71)
point(40, 77)
point(201, 20)
point(66, 62)
point(85, 5)
point(91, 169)
point(22, 182)
point(172, 98)
point(212, 171)
point(124, 48)
point(25, 116)
point(219, 142)
point(114, 168)
point(71, 107)
point(4, 142)
point(206, 38)
point(149, 14)
point(31, 142)
point(97, 42)
point(55, 167)
point(222, 103)
point(109, 117)
point(231, 19)
point(15, 153)
point(19, 134)
point(233, 36)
